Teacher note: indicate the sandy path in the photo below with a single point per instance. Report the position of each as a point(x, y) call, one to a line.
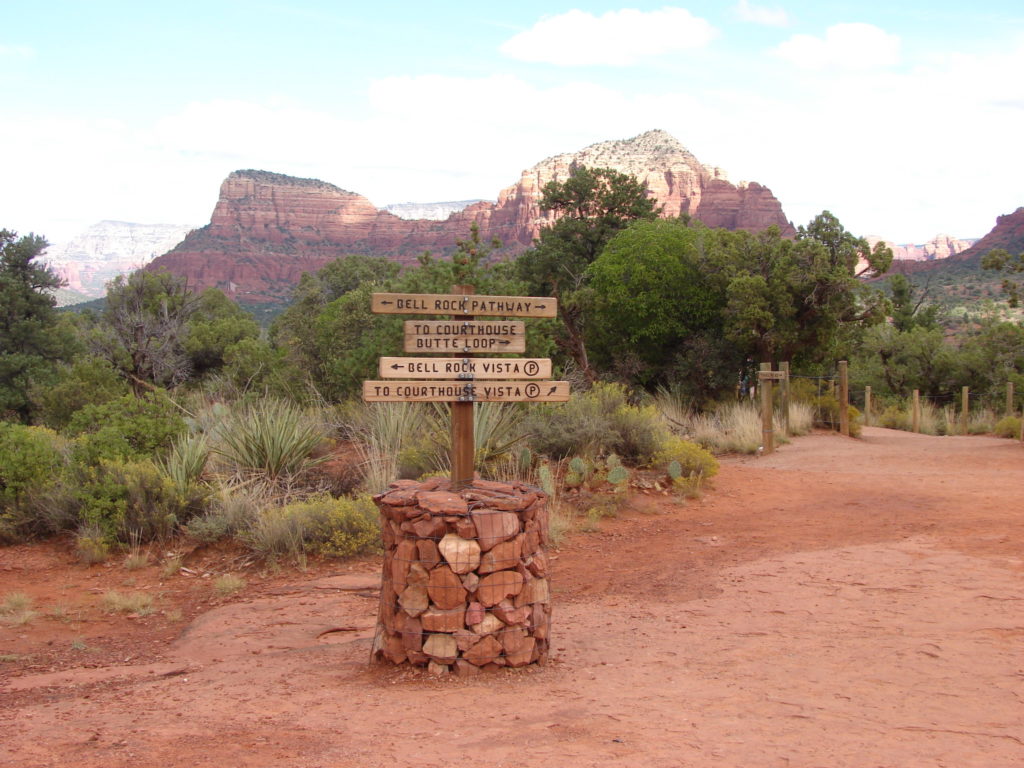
point(839, 603)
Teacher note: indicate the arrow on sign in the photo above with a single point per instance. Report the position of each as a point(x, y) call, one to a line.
point(396, 366)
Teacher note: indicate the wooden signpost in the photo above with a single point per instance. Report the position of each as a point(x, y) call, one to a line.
point(464, 379)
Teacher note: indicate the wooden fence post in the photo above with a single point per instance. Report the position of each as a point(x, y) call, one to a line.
point(915, 419)
point(844, 399)
point(463, 441)
point(767, 427)
point(1009, 399)
point(867, 406)
point(965, 408)
point(784, 367)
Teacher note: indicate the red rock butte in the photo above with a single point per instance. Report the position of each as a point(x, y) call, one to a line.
point(267, 228)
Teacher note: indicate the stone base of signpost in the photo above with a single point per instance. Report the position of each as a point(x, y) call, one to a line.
point(465, 579)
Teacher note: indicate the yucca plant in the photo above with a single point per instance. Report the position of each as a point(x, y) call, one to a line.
point(268, 443)
point(380, 432)
point(186, 461)
point(497, 430)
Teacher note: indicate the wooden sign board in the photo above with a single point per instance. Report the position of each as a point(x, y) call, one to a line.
point(467, 336)
point(771, 375)
point(466, 391)
point(454, 304)
point(464, 368)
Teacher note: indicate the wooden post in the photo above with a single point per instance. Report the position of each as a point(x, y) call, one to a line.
point(463, 443)
point(784, 391)
point(915, 418)
point(867, 406)
point(767, 425)
point(965, 407)
point(844, 399)
point(767, 428)
point(1009, 399)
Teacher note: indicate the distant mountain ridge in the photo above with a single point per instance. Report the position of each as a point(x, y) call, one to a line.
point(108, 249)
point(267, 229)
point(431, 211)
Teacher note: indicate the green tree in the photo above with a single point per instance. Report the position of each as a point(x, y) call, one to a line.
point(658, 298)
point(909, 310)
point(589, 208)
point(213, 328)
point(143, 327)
point(33, 340)
point(1000, 260)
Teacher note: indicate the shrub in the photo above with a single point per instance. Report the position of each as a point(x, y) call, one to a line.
point(88, 381)
point(125, 428)
point(1008, 426)
point(91, 545)
point(341, 527)
point(232, 511)
point(594, 423)
point(692, 459)
point(31, 459)
point(895, 417)
point(130, 500)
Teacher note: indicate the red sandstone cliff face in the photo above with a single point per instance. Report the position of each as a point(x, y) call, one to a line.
point(1008, 234)
point(267, 229)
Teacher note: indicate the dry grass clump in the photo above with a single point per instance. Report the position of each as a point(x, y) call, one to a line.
point(138, 603)
point(16, 609)
point(228, 584)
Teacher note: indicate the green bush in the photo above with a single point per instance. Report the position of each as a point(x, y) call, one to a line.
point(88, 381)
point(1008, 426)
point(692, 459)
point(341, 527)
point(130, 501)
point(125, 428)
point(31, 459)
point(895, 417)
point(597, 422)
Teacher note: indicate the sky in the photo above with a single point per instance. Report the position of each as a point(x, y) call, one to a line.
point(904, 119)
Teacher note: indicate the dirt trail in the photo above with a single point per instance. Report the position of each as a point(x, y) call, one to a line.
point(839, 603)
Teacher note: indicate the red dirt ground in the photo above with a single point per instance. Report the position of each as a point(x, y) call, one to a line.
point(838, 603)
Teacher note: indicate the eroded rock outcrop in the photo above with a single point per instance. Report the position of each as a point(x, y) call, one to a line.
point(267, 229)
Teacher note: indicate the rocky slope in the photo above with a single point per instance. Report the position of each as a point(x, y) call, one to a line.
point(1008, 233)
point(267, 229)
point(108, 249)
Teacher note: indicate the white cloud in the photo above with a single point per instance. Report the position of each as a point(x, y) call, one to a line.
point(617, 38)
point(759, 14)
point(855, 47)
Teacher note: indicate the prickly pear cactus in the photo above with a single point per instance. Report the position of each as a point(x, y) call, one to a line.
point(618, 476)
point(547, 481)
point(579, 466)
point(675, 469)
point(613, 461)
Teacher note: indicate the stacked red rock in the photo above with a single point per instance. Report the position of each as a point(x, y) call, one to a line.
point(465, 582)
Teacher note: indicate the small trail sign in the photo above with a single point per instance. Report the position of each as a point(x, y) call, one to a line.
point(457, 304)
point(465, 336)
point(772, 375)
point(465, 368)
point(466, 391)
